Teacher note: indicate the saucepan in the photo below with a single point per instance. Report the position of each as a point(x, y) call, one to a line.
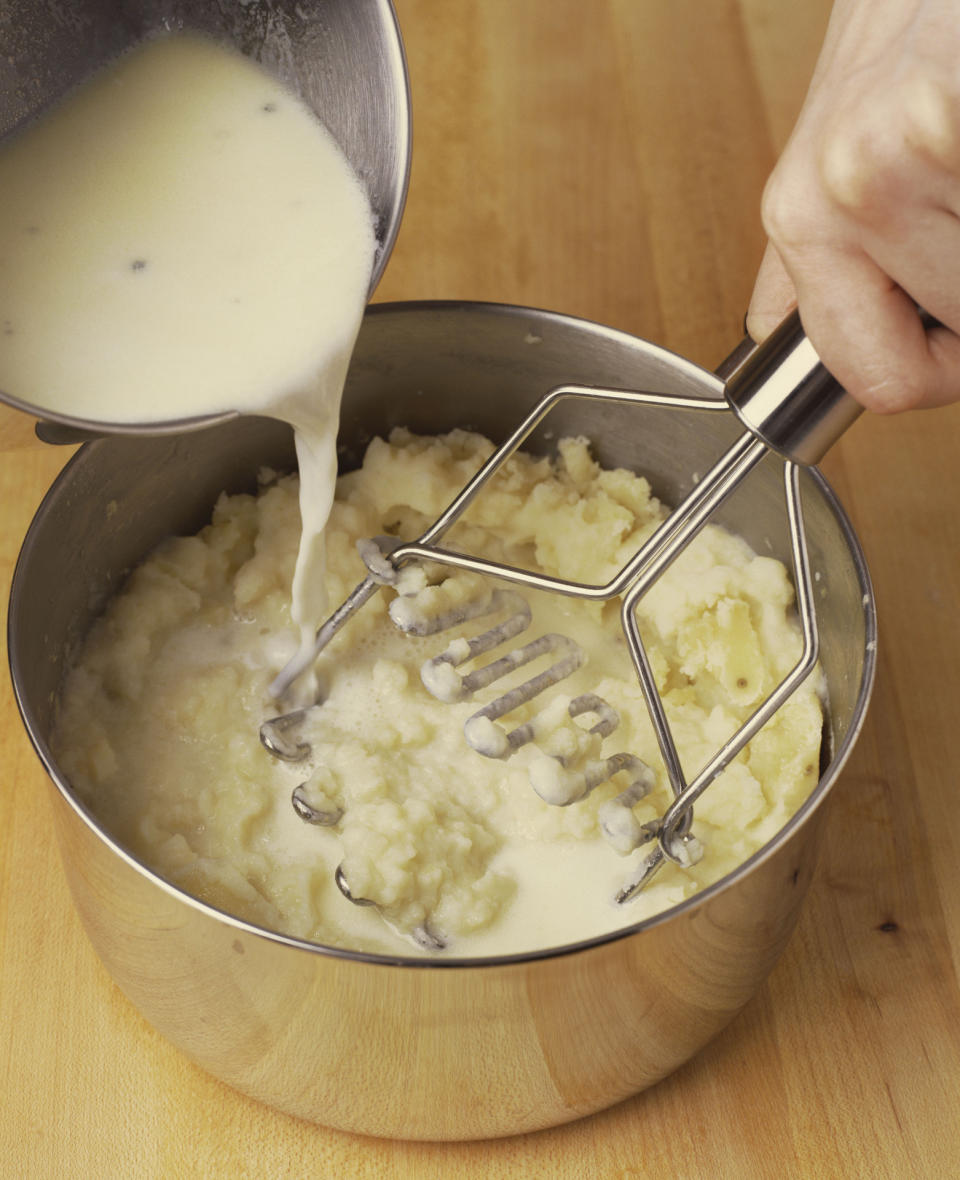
point(343, 58)
point(439, 1048)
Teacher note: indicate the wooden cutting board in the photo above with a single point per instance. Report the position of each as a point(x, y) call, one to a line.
point(606, 160)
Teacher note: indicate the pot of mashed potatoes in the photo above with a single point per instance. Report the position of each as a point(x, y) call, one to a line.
point(493, 985)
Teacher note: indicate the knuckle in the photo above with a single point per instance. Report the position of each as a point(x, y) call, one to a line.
point(928, 115)
point(870, 158)
point(844, 172)
point(782, 213)
point(857, 166)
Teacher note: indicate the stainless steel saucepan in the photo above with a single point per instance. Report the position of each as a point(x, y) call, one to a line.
point(442, 1048)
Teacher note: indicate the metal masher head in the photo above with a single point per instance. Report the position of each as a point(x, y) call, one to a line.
point(790, 404)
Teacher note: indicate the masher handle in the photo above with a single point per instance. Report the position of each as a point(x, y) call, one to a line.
point(782, 393)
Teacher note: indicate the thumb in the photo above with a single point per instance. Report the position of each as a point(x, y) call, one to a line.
point(774, 296)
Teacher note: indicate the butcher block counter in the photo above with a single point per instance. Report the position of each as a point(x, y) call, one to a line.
point(604, 159)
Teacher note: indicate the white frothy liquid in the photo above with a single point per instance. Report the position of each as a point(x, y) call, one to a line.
point(183, 237)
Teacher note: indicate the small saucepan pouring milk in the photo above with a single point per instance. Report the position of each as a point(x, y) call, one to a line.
point(181, 238)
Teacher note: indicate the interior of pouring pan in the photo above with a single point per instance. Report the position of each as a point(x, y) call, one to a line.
point(344, 58)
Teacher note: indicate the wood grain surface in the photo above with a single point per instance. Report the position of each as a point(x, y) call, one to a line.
point(604, 159)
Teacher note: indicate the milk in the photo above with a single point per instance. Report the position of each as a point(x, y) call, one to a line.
point(182, 237)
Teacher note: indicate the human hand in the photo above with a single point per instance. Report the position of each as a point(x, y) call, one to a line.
point(863, 208)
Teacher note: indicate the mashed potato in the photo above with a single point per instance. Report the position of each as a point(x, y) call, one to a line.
point(159, 719)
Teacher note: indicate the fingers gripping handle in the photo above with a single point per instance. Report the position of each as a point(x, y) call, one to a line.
point(783, 394)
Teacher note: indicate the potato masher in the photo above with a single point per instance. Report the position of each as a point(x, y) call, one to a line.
point(788, 403)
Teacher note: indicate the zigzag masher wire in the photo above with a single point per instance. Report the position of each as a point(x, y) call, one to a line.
point(385, 558)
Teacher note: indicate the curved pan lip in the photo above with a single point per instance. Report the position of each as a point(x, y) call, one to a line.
point(80, 429)
point(404, 137)
point(702, 897)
